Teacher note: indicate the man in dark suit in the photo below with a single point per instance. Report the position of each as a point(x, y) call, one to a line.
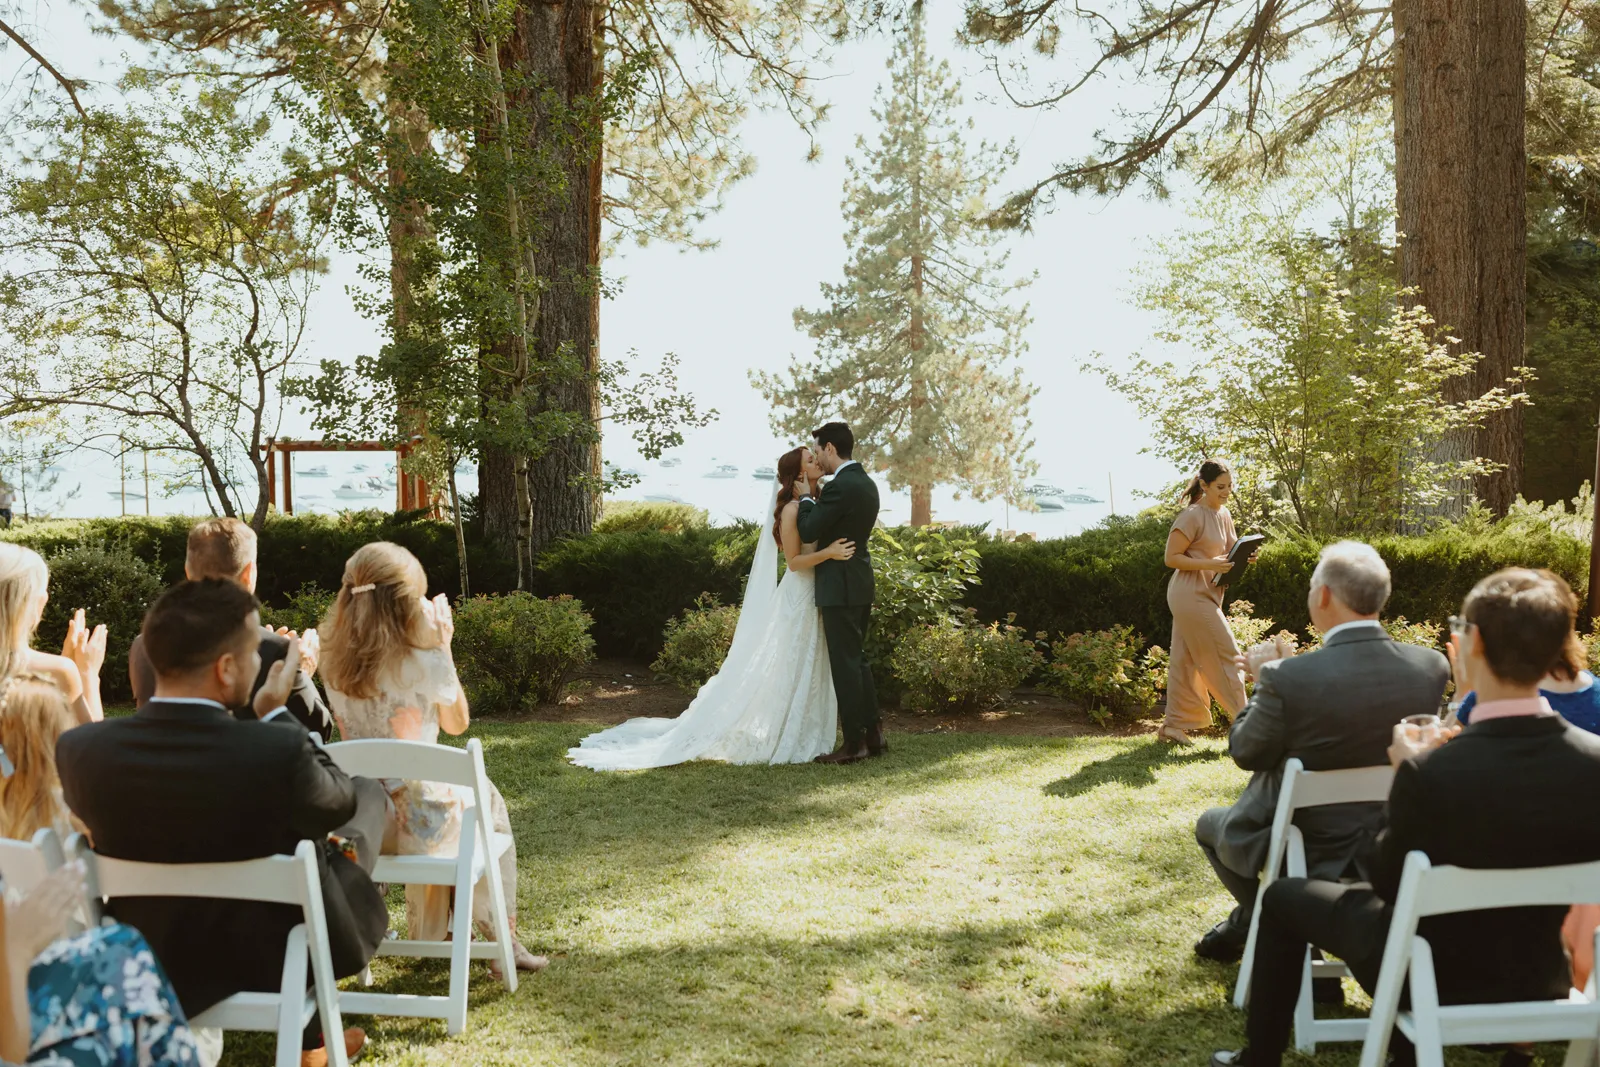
point(226, 548)
point(1515, 789)
point(847, 508)
point(1332, 708)
point(183, 781)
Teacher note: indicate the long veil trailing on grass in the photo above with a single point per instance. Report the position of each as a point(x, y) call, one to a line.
point(770, 702)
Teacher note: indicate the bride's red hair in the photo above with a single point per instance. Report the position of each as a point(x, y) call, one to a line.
point(788, 474)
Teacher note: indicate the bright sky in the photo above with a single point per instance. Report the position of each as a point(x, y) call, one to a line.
point(728, 311)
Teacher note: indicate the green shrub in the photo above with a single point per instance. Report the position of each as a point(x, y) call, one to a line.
point(114, 587)
point(304, 610)
point(1107, 670)
point(920, 577)
point(631, 516)
point(517, 650)
point(958, 664)
point(696, 643)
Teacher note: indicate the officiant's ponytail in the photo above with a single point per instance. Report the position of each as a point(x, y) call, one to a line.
point(1210, 471)
point(789, 465)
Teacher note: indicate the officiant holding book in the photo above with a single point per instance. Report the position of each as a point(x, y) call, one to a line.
point(1203, 650)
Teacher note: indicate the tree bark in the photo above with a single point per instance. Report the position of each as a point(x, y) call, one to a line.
point(1461, 187)
point(557, 46)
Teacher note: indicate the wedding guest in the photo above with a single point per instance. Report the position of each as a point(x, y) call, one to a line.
point(1331, 708)
point(33, 716)
point(1202, 667)
point(1569, 688)
point(386, 659)
point(184, 781)
point(1537, 768)
point(24, 592)
point(98, 997)
point(227, 549)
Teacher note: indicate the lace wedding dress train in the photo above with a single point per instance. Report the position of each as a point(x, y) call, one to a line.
point(771, 702)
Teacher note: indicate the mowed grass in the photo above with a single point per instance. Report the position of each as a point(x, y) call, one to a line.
point(967, 900)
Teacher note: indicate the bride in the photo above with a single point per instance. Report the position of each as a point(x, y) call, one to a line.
point(772, 701)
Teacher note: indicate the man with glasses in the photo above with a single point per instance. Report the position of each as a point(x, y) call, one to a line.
point(1515, 789)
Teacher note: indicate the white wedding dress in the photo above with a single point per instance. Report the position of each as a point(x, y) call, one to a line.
point(771, 702)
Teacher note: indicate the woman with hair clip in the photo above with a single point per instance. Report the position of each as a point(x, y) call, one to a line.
point(33, 716)
point(1202, 666)
point(24, 592)
point(387, 664)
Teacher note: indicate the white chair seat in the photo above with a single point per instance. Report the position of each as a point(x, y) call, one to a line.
point(250, 1011)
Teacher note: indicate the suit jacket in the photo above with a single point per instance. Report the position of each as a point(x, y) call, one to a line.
point(1332, 708)
point(847, 507)
point(305, 701)
point(1506, 793)
point(188, 783)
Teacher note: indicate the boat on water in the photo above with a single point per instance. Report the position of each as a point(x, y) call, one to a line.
point(765, 473)
point(1049, 503)
point(661, 498)
point(359, 467)
point(1080, 498)
point(319, 471)
point(1042, 489)
point(723, 470)
point(118, 494)
point(671, 461)
point(360, 489)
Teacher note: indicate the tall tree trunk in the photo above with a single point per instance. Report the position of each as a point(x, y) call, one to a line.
point(1460, 176)
point(559, 42)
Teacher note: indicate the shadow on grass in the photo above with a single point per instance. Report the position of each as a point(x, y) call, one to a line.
point(1136, 767)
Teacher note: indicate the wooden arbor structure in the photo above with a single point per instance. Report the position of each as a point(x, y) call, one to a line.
point(412, 492)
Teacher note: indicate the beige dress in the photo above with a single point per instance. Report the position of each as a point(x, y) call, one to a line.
point(1203, 648)
point(406, 706)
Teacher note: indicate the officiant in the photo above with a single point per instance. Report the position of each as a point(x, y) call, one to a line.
point(1202, 667)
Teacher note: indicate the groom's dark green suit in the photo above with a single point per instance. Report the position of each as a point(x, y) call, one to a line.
point(847, 507)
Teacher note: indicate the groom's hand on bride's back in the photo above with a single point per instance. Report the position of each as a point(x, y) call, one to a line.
point(842, 549)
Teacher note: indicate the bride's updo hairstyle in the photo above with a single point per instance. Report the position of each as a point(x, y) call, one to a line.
point(788, 474)
point(377, 618)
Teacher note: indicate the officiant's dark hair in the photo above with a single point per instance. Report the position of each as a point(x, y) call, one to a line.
point(1210, 471)
point(788, 473)
point(838, 435)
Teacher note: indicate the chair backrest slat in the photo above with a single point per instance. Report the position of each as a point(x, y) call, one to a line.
point(1314, 789)
point(414, 760)
point(24, 864)
point(1446, 890)
point(272, 879)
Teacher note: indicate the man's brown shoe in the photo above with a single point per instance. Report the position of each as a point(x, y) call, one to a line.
point(355, 1043)
point(844, 754)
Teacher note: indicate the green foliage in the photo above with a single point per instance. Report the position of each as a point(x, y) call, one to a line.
point(958, 664)
point(627, 516)
point(921, 575)
point(1107, 670)
point(517, 650)
point(696, 642)
point(114, 587)
point(304, 609)
point(916, 347)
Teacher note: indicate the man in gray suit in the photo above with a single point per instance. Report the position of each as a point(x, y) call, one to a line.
point(1332, 707)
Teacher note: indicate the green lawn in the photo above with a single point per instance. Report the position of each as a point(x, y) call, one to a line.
point(970, 899)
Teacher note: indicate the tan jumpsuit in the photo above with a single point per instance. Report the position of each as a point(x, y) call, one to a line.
point(1203, 648)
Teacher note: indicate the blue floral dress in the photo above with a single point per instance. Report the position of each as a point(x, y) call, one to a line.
point(100, 999)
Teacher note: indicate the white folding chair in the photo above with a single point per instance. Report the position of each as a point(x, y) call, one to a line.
point(1428, 890)
point(1287, 849)
point(274, 880)
point(24, 864)
point(477, 857)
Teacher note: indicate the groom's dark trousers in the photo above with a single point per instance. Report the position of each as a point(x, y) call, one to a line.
point(847, 507)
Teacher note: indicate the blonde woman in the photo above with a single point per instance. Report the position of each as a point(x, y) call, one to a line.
point(24, 592)
point(33, 715)
point(387, 665)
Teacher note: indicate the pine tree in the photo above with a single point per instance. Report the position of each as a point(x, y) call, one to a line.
point(916, 346)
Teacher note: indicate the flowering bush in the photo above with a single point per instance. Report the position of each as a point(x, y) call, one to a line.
point(696, 643)
point(516, 650)
point(958, 664)
point(1107, 670)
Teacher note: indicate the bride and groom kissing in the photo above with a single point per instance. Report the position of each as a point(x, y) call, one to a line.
point(796, 674)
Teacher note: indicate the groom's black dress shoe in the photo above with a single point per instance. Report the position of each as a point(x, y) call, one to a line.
point(1223, 943)
point(844, 754)
point(877, 744)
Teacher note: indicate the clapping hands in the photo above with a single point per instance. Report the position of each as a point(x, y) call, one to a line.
point(438, 617)
point(274, 692)
point(86, 648)
point(1282, 646)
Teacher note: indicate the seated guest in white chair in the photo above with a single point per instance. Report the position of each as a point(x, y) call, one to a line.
point(1332, 708)
point(183, 781)
point(1513, 790)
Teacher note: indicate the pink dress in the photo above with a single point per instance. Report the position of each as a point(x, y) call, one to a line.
point(1203, 649)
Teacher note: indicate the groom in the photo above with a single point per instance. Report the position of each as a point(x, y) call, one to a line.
point(847, 508)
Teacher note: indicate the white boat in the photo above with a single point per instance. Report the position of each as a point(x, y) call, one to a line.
point(1080, 498)
point(1049, 503)
point(117, 494)
point(1042, 489)
point(360, 489)
point(724, 470)
point(319, 471)
point(671, 461)
point(661, 498)
point(359, 467)
point(767, 473)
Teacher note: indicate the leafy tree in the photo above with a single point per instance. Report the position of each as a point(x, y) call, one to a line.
point(157, 296)
point(916, 345)
point(1313, 369)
